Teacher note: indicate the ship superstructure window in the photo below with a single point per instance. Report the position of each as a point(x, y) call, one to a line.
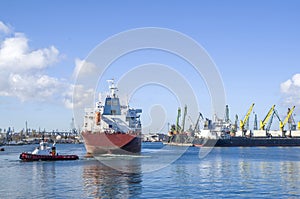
point(108, 102)
point(112, 106)
point(115, 102)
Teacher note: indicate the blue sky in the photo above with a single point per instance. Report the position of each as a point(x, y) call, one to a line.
point(254, 44)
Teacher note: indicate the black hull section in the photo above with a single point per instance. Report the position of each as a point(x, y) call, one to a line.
point(248, 142)
point(237, 141)
point(134, 146)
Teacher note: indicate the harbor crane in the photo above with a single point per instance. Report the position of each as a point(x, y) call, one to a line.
point(263, 123)
point(196, 126)
point(177, 128)
point(255, 122)
point(246, 119)
point(183, 119)
point(289, 114)
point(227, 119)
point(197, 122)
point(271, 119)
point(235, 126)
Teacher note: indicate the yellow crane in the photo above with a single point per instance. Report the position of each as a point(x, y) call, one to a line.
point(243, 122)
point(289, 114)
point(263, 123)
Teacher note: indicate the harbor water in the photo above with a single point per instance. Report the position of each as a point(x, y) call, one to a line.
point(159, 172)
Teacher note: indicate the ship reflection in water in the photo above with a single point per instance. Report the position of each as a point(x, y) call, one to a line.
point(112, 177)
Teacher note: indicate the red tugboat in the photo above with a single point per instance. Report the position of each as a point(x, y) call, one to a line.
point(45, 153)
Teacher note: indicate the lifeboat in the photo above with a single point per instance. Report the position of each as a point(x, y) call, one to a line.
point(45, 153)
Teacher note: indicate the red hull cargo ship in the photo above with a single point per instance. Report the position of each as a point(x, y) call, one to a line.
point(112, 128)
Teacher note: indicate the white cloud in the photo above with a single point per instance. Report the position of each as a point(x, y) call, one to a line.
point(84, 69)
point(86, 73)
point(77, 96)
point(82, 94)
point(296, 80)
point(285, 86)
point(4, 28)
point(15, 55)
point(33, 87)
point(290, 90)
point(21, 73)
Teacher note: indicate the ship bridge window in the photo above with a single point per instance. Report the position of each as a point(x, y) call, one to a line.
point(115, 102)
point(112, 107)
point(108, 102)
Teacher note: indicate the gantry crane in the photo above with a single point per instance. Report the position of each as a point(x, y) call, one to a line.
point(263, 123)
point(246, 119)
point(289, 114)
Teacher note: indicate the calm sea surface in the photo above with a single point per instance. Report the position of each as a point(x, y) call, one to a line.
point(159, 172)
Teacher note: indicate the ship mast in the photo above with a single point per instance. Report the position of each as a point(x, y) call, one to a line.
point(112, 88)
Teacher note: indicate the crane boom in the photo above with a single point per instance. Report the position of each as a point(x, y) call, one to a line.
point(243, 122)
point(197, 122)
point(263, 123)
point(177, 120)
point(289, 114)
point(227, 114)
point(271, 119)
point(255, 122)
point(183, 119)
